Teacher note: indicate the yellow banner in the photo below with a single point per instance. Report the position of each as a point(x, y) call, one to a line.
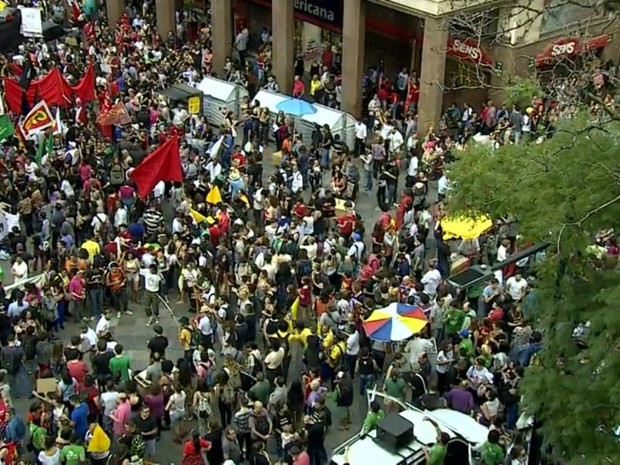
point(193, 104)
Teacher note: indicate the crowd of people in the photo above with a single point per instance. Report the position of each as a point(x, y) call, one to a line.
point(272, 268)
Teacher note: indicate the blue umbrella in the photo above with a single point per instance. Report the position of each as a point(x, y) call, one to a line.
point(296, 107)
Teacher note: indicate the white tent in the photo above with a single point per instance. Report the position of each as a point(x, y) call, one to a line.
point(341, 123)
point(220, 94)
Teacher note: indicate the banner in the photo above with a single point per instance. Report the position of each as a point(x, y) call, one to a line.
point(7, 222)
point(38, 119)
point(32, 25)
point(117, 115)
point(53, 88)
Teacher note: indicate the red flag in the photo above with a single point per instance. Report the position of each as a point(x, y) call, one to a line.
point(114, 115)
point(164, 164)
point(85, 89)
point(76, 10)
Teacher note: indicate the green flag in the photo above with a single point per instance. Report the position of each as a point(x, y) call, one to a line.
point(49, 146)
point(6, 127)
point(40, 150)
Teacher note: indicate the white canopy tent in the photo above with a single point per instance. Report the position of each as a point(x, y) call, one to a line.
point(220, 94)
point(341, 123)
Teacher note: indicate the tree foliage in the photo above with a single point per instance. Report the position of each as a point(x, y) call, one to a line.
point(563, 191)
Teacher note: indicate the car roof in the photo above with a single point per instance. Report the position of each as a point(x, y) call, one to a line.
point(366, 450)
point(461, 424)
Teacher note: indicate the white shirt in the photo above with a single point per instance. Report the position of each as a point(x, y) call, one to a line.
point(353, 344)
point(67, 188)
point(356, 250)
point(90, 337)
point(120, 217)
point(147, 260)
point(274, 359)
point(431, 280)
point(442, 185)
point(515, 288)
point(412, 168)
point(360, 130)
point(45, 459)
point(20, 270)
point(396, 141)
point(103, 325)
point(205, 327)
point(258, 199)
point(160, 189)
point(298, 182)
point(152, 281)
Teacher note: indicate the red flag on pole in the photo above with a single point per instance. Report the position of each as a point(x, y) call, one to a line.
point(164, 164)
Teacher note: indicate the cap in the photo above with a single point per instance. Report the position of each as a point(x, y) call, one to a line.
point(464, 333)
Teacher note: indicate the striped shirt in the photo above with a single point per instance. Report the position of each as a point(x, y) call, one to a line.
point(152, 220)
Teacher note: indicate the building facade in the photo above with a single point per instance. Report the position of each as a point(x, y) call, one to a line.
point(461, 50)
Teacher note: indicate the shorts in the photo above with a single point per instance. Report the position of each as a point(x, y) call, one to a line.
point(133, 277)
point(176, 418)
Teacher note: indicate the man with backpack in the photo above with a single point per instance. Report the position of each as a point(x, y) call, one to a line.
point(13, 358)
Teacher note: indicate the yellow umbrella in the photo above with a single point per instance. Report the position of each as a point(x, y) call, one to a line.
point(465, 228)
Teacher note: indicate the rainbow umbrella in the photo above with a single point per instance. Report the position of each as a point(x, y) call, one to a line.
point(395, 322)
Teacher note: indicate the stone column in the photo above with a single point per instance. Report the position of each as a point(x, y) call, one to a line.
point(353, 45)
point(114, 10)
point(222, 34)
point(283, 25)
point(166, 19)
point(432, 74)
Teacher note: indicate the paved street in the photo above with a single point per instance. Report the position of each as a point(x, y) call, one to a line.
point(133, 334)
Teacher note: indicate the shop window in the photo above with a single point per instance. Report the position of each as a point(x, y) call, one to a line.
point(464, 75)
point(559, 14)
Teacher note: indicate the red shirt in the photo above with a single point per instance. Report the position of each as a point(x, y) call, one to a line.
point(239, 158)
point(346, 222)
point(302, 459)
point(189, 449)
point(78, 370)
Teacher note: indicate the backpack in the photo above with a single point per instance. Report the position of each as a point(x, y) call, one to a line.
point(304, 268)
point(262, 424)
point(9, 360)
point(228, 393)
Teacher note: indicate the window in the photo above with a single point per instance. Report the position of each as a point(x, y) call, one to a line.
point(559, 14)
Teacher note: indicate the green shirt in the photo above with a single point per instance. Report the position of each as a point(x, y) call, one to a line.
point(454, 321)
point(492, 454)
point(38, 434)
point(371, 420)
point(120, 364)
point(73, 454)
point(436, 454)
point(467, 346)
point(395, 387)
point(261, 390)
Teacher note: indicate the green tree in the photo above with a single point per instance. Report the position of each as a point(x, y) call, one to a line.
point(563, 191)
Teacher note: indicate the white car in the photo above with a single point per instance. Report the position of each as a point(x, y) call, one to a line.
point(466, 435)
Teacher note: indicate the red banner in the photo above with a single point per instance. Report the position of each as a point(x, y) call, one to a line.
point(53, 88)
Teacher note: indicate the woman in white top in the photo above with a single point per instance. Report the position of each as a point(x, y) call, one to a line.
point(445, 357)
point(51, 454)
point(176, 408)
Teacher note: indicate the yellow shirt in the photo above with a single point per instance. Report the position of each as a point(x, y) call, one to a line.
point(327, 339)
point(301, 336)
point(185, 338)
point(314, 86)
point(336, 353)
point(92, 248)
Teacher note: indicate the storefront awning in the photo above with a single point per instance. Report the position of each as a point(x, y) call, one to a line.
point(469, 50)
point(569, 47)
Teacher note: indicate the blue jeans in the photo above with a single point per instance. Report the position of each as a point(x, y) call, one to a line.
point(366, 381)
point(95, 301)
point(368, 180)
point(512, 415)
point(325, 158)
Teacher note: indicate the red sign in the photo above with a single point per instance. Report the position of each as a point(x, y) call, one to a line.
point(568, 47)
point(469, 50)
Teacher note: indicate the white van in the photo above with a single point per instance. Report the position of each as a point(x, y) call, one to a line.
point(466, 435)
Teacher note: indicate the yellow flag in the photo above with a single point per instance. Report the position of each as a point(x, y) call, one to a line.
point(3, 5)
point(214, 197)
point(198, 217)
point(244, 199)
point(100, 442)
point(294, 308)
